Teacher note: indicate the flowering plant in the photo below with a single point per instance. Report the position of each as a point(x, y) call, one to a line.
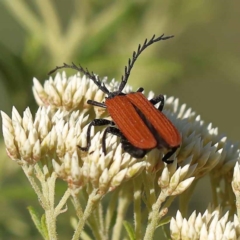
point(46, 148)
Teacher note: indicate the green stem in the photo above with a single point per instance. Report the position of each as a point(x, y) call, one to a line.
point(111, 210)
point(48, 191)
point(91, 221)
point(51, 224)
point(77, 206)
point(85, 236)
point(46, 197)
point(123, 204)
point(154, 216)
point(93, 224)
point(63, 201)
point(100, 220)
point(214, 186)
point(148, 183)
point(50, 213)
point(35, 186)
point(93, 200)
point(137, 207)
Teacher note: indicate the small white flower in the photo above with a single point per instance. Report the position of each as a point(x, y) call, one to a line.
point(66, 93)
point(210, 225)
point(174, 183)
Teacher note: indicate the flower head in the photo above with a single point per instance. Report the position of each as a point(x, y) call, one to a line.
point(50, 142)
point(210, 225)
point(53, 135)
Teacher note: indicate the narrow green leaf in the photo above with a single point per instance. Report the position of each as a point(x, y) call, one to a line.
point(164, 221)
point(44, 226)
point(130, 230)
point(38, 222)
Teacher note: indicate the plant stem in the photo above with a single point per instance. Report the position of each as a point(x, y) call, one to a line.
point(137, 207)
point(154, 216)
point(85, 236)
point(93, 224)
point(91, 221)
point(93, 199)
point(46, 197)
point(35, 186)
point(51, 224)
point(214, 186)
point(50, 211)
point(149, 189)
point(58, 208)
point(123, 203)
point(77, 206)
point(100, 220)
point(110, 210)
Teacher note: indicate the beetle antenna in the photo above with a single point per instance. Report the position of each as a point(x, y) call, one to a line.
point(135, 55)
point(91, 75)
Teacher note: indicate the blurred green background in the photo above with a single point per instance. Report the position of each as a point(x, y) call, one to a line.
point(200, 65)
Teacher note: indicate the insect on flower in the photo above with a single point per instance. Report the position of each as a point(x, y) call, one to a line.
point(139, 124)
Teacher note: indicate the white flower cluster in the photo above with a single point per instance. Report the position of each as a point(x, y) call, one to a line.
point(173, 181)
point(67, 93)
point(60, 124)
point(52, 138)
point(210, 225)
point(201, 144)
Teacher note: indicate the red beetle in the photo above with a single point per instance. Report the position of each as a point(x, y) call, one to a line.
point(135, 119)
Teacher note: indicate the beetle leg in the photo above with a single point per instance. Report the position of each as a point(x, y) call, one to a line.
point(140, 89)
point(157, 99)
point(112, 130)
point(95, 122)
point(98, 104)
point(168, 155)
point(126, 145)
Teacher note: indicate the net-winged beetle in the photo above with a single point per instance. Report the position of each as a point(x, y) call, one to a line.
point(140, 125)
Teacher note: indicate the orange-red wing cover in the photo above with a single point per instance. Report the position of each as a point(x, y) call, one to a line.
point(160, 122)
point(129, 122)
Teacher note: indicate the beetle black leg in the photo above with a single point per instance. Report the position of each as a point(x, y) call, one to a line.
point(112, 130)
point(98, 104)
point(140, 89)
point(157, 99)
point(95, 122)
point(126, 145)
point(168, 155)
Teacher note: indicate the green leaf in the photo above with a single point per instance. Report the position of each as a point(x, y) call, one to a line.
point(40, 223)
point(130, 230)
point(164, 221)
point(44, 226)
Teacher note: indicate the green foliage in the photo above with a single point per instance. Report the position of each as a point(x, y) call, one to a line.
point(130, 230)
point(40, 222)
